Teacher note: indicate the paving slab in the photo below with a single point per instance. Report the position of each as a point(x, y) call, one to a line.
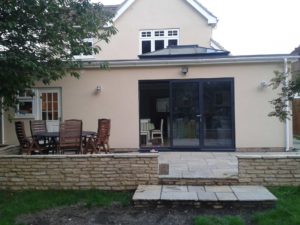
point(174, 188)
point(204, 194)
point(148, 192)
point(252, 196)
point(179, 196)
point(226, 196)
point(207, 196)
point(196, 188)
point(218, 189)
point(250, 188)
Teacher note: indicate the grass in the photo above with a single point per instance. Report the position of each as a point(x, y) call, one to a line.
point(213, 220)
point(13, 204)
point(286, 212)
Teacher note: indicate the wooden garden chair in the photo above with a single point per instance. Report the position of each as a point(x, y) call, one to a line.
point(101, 140)
point(28, 145)
point(70, 136)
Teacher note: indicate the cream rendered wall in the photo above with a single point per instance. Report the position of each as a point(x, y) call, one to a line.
point(119, 101)
point(155, 14)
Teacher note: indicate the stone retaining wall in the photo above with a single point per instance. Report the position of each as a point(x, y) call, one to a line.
point(103, 172)
point(269, 170)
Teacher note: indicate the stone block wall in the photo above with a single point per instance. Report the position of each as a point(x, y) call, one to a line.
point(103, 172)
point(272, 170)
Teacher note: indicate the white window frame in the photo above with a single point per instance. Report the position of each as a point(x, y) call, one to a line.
point(82, 56)
point(149, 35)
point(26, 98)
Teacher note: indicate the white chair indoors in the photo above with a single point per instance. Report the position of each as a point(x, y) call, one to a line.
point(159, 133)
point(145, 129)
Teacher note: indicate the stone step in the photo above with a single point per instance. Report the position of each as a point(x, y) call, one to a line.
point(203, 196)
point(198, 181)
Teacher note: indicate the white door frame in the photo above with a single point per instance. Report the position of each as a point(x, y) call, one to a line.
point(52, 125)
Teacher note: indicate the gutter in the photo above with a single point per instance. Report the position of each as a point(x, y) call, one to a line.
point(136, 63)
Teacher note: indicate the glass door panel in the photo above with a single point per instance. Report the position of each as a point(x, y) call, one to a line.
point(218, 114)
point(185, 114)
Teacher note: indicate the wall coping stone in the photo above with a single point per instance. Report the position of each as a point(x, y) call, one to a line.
point(289, 156)
point(114, 155)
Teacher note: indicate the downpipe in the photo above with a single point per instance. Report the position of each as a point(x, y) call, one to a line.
point(287, 108)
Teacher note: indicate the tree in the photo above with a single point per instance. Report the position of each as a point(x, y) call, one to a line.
point(286, 94)
point(39, 37)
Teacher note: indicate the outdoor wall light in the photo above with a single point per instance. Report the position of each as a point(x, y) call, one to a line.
point(98, 89)
point(184, 70)
point(264, 84)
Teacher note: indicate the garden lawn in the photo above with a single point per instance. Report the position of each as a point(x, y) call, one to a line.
point(13, 204)
point(286, 212)
point(213, 220)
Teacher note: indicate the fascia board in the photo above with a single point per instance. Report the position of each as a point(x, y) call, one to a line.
point(123, 8)
point(212, 20)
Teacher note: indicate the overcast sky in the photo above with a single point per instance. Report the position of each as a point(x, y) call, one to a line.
point(253, 26)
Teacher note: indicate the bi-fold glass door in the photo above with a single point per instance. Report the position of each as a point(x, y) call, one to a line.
point(202, 114)
point(196, 114)
point(185, 114)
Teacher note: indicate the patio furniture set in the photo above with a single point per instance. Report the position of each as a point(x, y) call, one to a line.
point(69, 138)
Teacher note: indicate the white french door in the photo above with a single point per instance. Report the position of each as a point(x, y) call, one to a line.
point(49, 107)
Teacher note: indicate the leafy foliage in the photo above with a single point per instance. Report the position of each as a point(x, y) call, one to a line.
point(38, 37)
point(286, 94)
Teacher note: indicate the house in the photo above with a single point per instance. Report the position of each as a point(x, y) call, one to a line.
point(166, 73)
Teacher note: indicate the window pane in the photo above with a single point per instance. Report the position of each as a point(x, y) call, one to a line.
point(55, 106)
point(159, 44)
point(172, 43)
point(144, 34)
point(55, 116)
point(88, 50)
point(44, 116)
point(54, 96)
point(43, 97)
point(49, 106)
point(146, 46)
point(25, 107)
point(49, 97)
point(49, 116)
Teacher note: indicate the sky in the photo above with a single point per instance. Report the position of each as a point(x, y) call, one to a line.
point(249, 27)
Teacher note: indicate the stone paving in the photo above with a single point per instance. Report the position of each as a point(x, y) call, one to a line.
point(203, 193)
point(205, 164)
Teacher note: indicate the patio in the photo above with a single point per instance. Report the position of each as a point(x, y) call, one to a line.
point(207, 165)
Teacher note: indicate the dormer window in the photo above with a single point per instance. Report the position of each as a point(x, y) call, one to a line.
point(153, 40)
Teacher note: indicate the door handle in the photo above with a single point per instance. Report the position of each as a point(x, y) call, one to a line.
point(200, 117)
